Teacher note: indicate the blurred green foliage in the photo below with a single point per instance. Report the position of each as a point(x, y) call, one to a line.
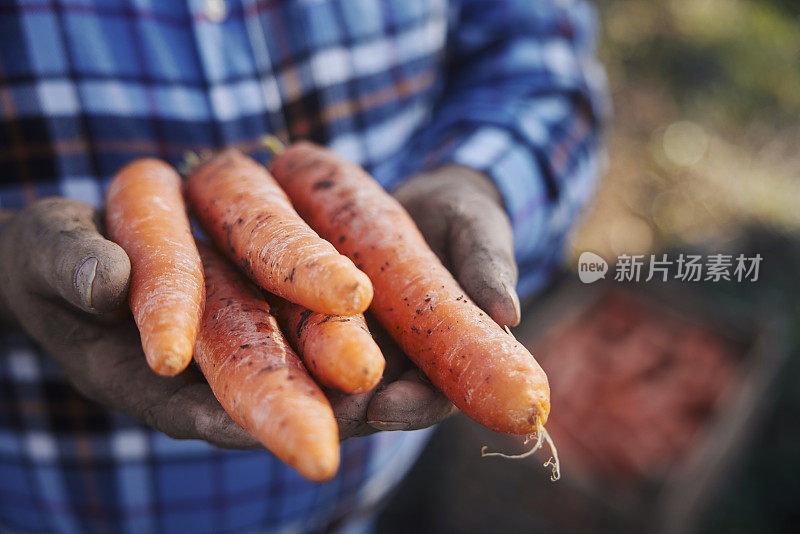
point(728, 61)
point(704, 139)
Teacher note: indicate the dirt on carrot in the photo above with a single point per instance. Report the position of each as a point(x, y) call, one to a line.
point(253, 222)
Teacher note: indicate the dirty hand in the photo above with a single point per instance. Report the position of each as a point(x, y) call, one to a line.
point(66, 285)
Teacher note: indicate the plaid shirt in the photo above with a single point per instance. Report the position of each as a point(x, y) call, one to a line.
point(508, 87)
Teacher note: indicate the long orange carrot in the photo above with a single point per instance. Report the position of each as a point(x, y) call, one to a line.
point(338, 350)
point(482, 369)
point(257, 378)
point(252, 220)
point(146, 216)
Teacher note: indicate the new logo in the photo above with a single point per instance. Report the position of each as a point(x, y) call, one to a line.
point(591, 267)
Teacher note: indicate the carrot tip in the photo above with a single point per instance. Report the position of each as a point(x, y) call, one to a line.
point(171, 365)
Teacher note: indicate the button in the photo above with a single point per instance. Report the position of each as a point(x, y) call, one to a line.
point(215, 10)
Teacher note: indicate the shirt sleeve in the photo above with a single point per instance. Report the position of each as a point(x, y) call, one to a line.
point(523, 101)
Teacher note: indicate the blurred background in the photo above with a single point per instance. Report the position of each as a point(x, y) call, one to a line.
point(675, 405)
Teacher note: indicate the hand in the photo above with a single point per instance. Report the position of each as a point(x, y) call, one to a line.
point(460, 213)
point(68, 290)
point(66, 286)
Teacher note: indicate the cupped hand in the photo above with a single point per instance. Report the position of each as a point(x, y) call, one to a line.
point(66, 285)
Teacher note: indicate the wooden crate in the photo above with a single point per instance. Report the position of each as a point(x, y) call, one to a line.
point(674, 501)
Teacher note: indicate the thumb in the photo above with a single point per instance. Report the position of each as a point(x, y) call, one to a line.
point(65, 255)
point(482, 257)
point(460, 213)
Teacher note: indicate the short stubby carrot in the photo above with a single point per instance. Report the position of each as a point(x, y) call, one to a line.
point(258, 379)
point(146, 216)
point(485, 372)
point(252, 220)
point(338, 350)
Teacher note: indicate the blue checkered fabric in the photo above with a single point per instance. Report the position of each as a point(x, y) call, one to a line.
point(67, 465)
point(509, 87)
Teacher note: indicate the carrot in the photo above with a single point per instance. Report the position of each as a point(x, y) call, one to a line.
point(257, 377)
point(252, 220)
point(485, 372)
point(146, 216)
point(338, 350)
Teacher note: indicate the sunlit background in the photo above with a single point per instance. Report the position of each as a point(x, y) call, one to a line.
point(703, 157)
point(706, 132)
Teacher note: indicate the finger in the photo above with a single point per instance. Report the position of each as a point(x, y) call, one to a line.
point(409, 403)
point(351, 410)
point(192, 412)
point(481, 250)
point(396, 360)
point(182, 407)
point(459, 212)
point(71, 258)
point(428, 213)
point(351, 413)
point(105, 363)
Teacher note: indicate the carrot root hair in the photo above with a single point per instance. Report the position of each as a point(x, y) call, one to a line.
point(541, 436)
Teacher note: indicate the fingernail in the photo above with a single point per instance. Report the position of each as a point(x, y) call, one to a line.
point(390, 425)
point(512, 295)
point(84, 279)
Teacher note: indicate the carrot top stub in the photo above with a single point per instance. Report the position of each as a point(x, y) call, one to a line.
point(252, 220)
